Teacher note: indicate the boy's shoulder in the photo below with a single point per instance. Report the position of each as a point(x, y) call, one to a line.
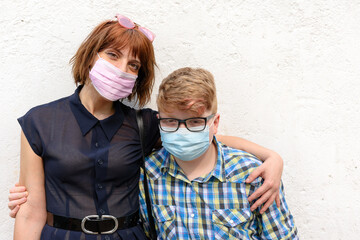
point(238, 164)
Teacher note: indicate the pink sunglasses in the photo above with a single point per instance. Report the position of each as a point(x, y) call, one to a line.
point(127, 23)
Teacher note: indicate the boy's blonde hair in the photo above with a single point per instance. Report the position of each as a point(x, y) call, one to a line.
point(191, 89)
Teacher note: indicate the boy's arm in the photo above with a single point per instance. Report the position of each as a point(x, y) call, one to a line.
point(270, 170)
point(277, 223)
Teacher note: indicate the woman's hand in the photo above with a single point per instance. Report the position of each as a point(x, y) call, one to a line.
point(17, 196)
point(270, 171)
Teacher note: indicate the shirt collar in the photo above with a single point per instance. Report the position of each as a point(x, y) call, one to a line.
point(169, 165)
point(218, 170)
point(87, 121)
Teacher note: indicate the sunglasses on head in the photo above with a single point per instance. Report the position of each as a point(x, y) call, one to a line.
point(127, 23)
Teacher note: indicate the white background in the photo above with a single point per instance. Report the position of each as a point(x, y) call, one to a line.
point(287, 75)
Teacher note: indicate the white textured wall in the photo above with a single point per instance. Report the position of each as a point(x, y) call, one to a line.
point(287, 74)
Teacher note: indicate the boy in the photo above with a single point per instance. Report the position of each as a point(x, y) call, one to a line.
point(197, 185)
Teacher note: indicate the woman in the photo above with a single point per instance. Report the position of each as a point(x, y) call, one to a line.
point(80, 155)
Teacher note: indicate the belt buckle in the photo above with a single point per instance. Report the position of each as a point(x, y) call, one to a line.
point(97, 217)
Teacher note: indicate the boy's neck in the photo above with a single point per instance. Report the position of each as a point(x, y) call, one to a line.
point(201, 165)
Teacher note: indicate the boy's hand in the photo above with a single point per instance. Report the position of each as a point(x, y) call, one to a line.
point(18, 195)
point(270, 171)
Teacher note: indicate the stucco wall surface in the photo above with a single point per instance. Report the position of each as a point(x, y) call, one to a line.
point(287, 74)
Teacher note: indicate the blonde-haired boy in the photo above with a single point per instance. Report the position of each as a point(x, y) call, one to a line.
point(197, 185)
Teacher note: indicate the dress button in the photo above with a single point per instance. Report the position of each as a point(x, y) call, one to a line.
point(100, 161)
point(102, 211)
point(99, 186)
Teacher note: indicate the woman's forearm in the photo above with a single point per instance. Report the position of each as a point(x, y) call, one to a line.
point(239, 143)
point(29, 223)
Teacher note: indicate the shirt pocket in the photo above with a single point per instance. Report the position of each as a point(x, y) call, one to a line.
point(229, 223)
point(165, 219)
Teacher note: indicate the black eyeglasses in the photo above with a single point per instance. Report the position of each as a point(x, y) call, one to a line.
point(196, 124)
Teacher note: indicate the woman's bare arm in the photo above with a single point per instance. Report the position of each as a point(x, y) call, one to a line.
point(31, 217)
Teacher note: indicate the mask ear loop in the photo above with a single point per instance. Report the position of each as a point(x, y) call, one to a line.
point(90, 67)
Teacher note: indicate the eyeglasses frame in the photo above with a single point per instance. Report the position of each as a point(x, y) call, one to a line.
point(184, 121)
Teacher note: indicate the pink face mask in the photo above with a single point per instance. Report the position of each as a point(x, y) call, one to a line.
point(110, 82)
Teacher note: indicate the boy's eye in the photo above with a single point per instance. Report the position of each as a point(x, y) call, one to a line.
point(168, 122)
point(196, 122)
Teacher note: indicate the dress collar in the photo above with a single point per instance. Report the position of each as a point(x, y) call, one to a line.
point(87, 121)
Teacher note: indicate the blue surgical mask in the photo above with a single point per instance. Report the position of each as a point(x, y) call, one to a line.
point(186, 145)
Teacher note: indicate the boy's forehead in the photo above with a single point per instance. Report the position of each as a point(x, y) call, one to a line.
point(180, 113)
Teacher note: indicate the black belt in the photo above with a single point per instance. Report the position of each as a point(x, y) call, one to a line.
point(93, 224)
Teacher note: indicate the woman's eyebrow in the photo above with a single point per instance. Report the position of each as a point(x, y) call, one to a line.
point(132, 57)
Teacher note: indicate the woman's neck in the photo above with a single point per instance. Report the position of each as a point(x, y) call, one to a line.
point(98, 106)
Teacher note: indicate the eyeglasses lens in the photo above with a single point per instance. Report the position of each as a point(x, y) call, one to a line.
point(195, 124)
point(169, 125)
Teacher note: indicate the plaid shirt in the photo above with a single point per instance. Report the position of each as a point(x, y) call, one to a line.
point(214, 206)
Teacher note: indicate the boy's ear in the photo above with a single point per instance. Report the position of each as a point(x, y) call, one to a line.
point(216, 122)
point(157, 115)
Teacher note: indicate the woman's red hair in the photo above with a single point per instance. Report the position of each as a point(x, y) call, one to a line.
point(110, 34)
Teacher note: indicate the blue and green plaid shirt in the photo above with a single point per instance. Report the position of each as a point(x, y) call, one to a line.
point(214, 206)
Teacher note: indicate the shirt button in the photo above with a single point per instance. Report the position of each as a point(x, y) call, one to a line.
point(192, 215)
point(99, 186)
point(96, 144)
point(102, 211)
point(231, 221)
point(100, 161)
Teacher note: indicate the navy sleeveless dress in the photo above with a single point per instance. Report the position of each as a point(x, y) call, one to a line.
point(91, 166)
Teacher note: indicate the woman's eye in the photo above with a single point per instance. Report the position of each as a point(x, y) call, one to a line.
point(111, 54)
point(134, 66)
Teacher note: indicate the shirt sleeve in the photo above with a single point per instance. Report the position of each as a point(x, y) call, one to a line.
point(28, 124)
point(152, 132)
point(277, 223)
